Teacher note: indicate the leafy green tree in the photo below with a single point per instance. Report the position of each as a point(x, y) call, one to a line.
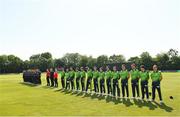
point(117, 59)
point(146, 59)
point(135, 60)
point(72, 59)
point(83, 61)
point(102, 60)
point(46, 55)
point(59, 63)
point(91, 62)
point(163, 61)
point(3, 63)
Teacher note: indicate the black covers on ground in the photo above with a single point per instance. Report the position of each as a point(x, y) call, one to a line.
point(32, 76)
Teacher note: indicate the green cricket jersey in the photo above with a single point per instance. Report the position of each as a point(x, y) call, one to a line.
point(67, 75)
point(83, 74)
point(156, 76)
point(124, 74)
point(108, 74)
point(72, 73)
point(95, 74)
point(144, 76)
point(89, 74)
point(134, 74)
point(115, 75)
point(101, 75)
point(62, 73)
point(77, 74)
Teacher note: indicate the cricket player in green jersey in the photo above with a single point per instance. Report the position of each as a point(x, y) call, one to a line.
point(156, 78)
point(124, 76)
point(77, 75)
point(67, 77)
point(95, 79)
point(144, 76)
point(72, 75)
point(134, 81)
point(89, 79)
point(115, 76)
point(101, 79)
point(108, 77)
point(62, 75)
point(82, 76)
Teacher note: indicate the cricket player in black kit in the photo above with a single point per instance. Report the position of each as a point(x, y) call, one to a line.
point(52, 77)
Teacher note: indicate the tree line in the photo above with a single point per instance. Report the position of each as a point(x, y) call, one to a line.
point(12, 64)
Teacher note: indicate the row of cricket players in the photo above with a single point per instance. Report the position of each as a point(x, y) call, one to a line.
point(80, 80)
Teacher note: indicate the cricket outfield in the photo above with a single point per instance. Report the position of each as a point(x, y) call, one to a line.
point(17, 98)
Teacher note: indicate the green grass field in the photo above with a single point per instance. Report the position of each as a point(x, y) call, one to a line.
point(17, 98)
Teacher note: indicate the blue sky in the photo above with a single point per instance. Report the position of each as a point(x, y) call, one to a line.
point(90, 27)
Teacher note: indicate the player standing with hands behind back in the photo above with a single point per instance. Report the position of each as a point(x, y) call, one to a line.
point(124, 75)
point(135, 81)
point(144, 76)
point(156, 80)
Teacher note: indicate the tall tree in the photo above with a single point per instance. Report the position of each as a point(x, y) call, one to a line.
point(146, 60)
point(59, 63)
point(91, 62)
point(102, 60)
point(135, 60)
point(46, 55)
point(172, 53)
point(71, 59)
point(84, 61)
point(117, 59)
point(163, 61)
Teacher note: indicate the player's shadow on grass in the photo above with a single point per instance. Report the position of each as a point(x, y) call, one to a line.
point(67, 92)
point(164, 107)
point(49, 87)
point(101, 97)
point(80, 94)
point(141, 104)
point(28, 84)
point(94, 96)
point(127, 102)
point(152, 106)
point(58, 90)
point(116, 101)
point(109, 99)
